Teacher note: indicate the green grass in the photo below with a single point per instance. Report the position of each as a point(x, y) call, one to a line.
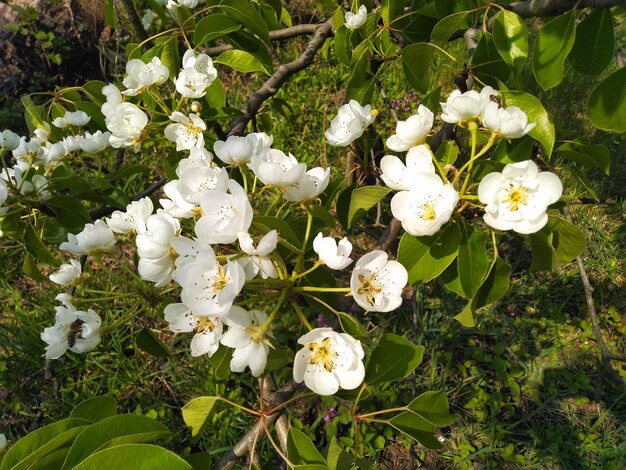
point(526, 380)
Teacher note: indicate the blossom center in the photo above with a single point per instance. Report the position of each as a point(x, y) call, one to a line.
point(220, 281)
point(369, 287)
point(193, 129)
point(517, 195)
point(205, 324)
point(322, 354)
point(428, 212)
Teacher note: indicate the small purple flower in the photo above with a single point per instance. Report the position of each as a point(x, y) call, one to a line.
point(330, 414)
point(322, 320)
point(3, 394)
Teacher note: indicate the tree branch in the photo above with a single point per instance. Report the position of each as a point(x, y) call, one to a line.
point(531, 8)
point(108, 210)
point(136, 21)
point(273, 84)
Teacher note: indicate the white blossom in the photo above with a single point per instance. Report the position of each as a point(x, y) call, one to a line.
point(140, 75)
point(72, 118)
point(257, 260)
point(93, 238)
point(196, 75)
point(377, 282)
point(276, 168)
point(208, 329)
point(251, 347)
point(413, 131)
point(351, 121)
point(236, 150)
point(224, 214)
point(518, 198)
point(156, 258)
point(329, 361)
point(134, 219)
point(310, 185)
point(4, 194)
point(77, 331)
point(67, 273)
point(468, 106)
point(510, 123)
point(126, 123)
point(356, 20)
point(334, 255)
point(427, 206)
point(396, 175)
point(9, 140)
point(187, 132)
point(94, 143)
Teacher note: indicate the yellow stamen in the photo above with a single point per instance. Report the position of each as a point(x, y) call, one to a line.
point(428, 212)
point(517, 196)
point(323, 353)
point(204, 324)
point(369, 287)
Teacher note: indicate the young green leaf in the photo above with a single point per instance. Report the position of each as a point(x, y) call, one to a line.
point(134, 457)
point(197, 412)
point(607, 103)
point(416, 60)
point(594, 47)
point(95, 409)
point(510, 35)
point(393, 358)
point(241, 61)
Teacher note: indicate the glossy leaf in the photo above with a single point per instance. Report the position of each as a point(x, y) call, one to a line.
point(134, 457)
point(241, 61)
point(510, 35)
point(361, 201)
point(29, 266)
point(301, 450)
point(488, 64)
point(543, 132)
point(393, 358)
point(447, 26)
point(214, 26)
point(588, 155)
point(416, 61)
point(426, 257)
point(36, 247)
point(516, 150)
point(433, 407)
point(557, 243)
point(244, 12)
point(170, 56)
point(353, 327)
point(147, 341)
point(417, 428)
point(95, 409)
point(607, 103)
point(594, 47)
point(553, 44)
point(197, 412)
point(473, 259)
point(70, 212)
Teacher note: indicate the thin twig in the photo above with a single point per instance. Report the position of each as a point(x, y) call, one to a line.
point(136, 21)
point(536, 8)
point(108, 210)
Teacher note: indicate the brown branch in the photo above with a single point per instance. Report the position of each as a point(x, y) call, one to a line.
point(606, 355)
point(531, 8)
point(136, 21)
point(273, 84)
point(108, 210)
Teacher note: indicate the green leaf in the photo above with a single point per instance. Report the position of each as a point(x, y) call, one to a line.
point(70, 213)
point(510, 35)
point(170, 57)
point(392, 9)
point(444, 29)
point(431, 100)
point(342, 45)
point(473, 260)
point(466, 316)
point(301, 450)
point(220, 361)
point(516, 150)
point(134, 457)
point(241, 61)
point(588, 155)
point(95, 409)
point(215, 95)
point(594, 47)
point(99, 434)
point(361, 201)
point(543, 132)
point(557, 243)
point(553, 44)
point(284, 230)
point(584, 181)
point(607, 103)
point(337, 457)
point(245, 13)
point(393, 358)
point(487, 62)
point(433, 407)
point(147, 341)
point(33, 115)
point(495, 286)
point(41, 442)
point(416, 61)
point(426, 257)
point(197, 412)
point(214, 26)
point(352, 326)
point(35, 247)
point(416, 427)
point(29, 266)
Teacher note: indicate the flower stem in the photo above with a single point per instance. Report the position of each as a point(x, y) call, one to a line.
point(321, 289)
point(474, 156)
point(302, 317)
point(266, 325)
point(295, 276)
point(237, 405)
point(380, 412)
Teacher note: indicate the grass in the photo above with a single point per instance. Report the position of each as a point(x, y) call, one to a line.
point(526, 380)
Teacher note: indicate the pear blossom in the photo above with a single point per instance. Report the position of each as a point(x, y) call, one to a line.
point(329, 361)
point(377, 282)
point(77, 331)
point(146, 19)
point(462, 107)
point(208, 288)
point(72, 118)
point(140, 75)
point(134, 219)
point(257, 260)
point(208, 328)
point(236, 150)
point(224, 214)
point(396, 175)
point(126, 123)
point(94, 238)
point(113, 99)
point(413, 131)
point(36, 188)
point(156, 258)
point(334, 255)
point(196, 75)
point(4, 194)
point(518, 198)
point(185, 131)
point(276, 168)
point(351, 121)
point(173, 4)
point(96, 142)
point(29, 151)
point(9, 140)
point(190, 250)
point(356, 20)
point(310, 185)
point(427, 206)
point(510, 123)
point(251, 345)
point(3, 442)
point(67, 273)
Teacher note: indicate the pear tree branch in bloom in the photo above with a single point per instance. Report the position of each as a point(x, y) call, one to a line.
point(532, 8)
point(136, 21)
point(273, 84)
